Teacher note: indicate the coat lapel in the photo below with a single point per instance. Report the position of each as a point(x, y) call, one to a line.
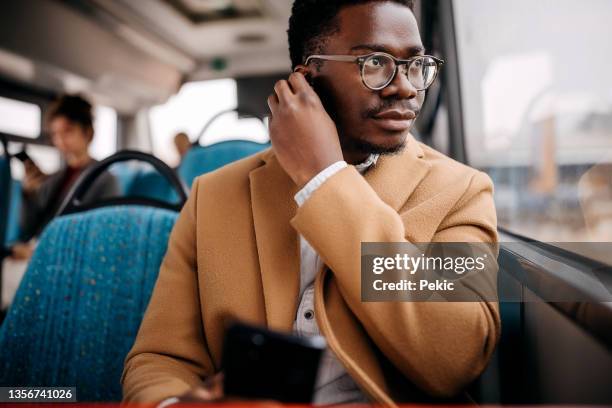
point(273, 206)
point(394, 178)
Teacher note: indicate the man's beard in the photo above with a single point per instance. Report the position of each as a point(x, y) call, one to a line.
point(354, 143)
point(363, 146)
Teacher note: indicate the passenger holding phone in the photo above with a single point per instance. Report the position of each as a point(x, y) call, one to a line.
point(34, 176)
point(70, 123)
point(275, 239)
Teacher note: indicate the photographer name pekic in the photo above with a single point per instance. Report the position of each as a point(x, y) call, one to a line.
point(406, 285)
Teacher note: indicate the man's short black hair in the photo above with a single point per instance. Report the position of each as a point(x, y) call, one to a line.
point(313, 20)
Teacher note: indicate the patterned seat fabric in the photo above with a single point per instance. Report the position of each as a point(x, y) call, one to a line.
point(81, 301)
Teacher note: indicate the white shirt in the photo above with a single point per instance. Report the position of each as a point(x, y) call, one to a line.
point(334, 385)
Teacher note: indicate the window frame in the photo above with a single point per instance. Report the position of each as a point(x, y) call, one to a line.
point(38, 97)
point(452, 81)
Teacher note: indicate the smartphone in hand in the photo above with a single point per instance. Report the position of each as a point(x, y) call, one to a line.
point(267, 365)
point(23, 156)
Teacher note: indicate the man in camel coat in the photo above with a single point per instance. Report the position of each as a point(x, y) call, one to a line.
point(275, 239)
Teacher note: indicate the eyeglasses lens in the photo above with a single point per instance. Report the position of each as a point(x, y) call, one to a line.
point(378, 71)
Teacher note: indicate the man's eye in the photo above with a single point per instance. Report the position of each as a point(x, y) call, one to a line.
point(375, 62)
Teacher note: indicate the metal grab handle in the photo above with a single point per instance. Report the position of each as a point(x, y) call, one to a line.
point(208, 124)
point(73, 201)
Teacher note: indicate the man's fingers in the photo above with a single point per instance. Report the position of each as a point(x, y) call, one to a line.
point(299, 83)
point(283, 91)
point(273, 103)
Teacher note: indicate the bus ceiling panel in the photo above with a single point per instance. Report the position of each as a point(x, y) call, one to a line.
point(115, 17)
point(67, 52)
point(242, 65)
point(229, 33)
point(21, 90)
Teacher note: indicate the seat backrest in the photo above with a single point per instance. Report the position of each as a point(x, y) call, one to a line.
point(78, 308)
point(151, 184)
point(5, 186)
point(14, 211)
point(136, 180)
point(10, 204)
point(125, 173)
point(203, 159)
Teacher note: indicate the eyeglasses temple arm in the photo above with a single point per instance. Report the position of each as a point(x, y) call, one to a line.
point(342, 58)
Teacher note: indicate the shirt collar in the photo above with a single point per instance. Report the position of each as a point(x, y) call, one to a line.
point(369, 162)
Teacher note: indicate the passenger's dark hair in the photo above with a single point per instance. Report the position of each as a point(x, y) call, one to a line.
point(312, 21)
point(74, 108)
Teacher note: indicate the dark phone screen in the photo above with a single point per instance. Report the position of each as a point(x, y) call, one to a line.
point(23, 156)
point(261, 364)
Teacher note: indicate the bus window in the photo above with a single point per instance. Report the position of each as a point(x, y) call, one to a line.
point(537, 107)
point(189, 110)
point(19, 118)
point(105, 130)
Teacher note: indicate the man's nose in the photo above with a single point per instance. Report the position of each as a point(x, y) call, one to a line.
point(400, 87)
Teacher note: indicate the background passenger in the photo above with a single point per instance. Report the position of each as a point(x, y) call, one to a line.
point(70, 124)
point(182, 144)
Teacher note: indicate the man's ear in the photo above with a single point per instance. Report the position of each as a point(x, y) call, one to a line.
point(304, 70)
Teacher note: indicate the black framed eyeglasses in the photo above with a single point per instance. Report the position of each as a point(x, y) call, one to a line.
point(379, 69)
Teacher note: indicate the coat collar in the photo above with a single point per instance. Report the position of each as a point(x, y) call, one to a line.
point(394, 178)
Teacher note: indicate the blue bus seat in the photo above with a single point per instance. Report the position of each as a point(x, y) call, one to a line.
point(5, 186)
point(151, 184)
point(79, 306)
point(204, 159)
point(135, 180)
point(14, 212)
point(10, 205)
point(124, 173)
